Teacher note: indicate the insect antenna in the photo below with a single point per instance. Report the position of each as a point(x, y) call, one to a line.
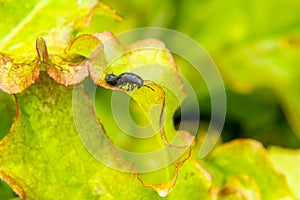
point(149, 87)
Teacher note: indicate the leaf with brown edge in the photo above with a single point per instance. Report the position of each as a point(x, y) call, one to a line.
point(64, 72)
point(89, 52)
point(19, 64)
point(105, 10)
point(193, 181)
point(164, 189)
point(60, 69)
point(150, 58)
point(18, 74)
point(98, 62)
point(16, 77)
point(239, 187)
point(43, 157)
point(49, 161)
point(152, 107)
point(84, 45)
point(154, 103)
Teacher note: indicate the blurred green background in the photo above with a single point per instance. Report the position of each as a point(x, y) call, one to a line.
point(256, 46)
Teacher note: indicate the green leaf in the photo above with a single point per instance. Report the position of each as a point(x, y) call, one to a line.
point(33, 137)
point(194, 182)
point(240, 187)
point(242, 168)
point(287, 161)
point(53, 20)
point(20, 63)
point(152, 61)
point(70, 68)
point(43, 158)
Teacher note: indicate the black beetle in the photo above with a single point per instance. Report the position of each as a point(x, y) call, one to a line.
point(130, 79)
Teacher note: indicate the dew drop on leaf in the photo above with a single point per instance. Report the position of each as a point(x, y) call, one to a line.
point(163, 192)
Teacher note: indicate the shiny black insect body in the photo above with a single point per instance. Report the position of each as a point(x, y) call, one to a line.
point(130, 79)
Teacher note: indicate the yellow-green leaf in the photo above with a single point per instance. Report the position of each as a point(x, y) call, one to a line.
point(287, 162)
point(43, 158)
point(58, 23)
point(17, 74)
point(249, 159)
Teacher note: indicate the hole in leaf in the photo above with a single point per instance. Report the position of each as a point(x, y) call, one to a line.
point(6, 192)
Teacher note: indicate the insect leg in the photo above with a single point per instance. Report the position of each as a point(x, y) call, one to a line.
point(121, 85)
point(133, 86)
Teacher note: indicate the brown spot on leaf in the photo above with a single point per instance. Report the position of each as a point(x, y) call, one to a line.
point(17, 76)
point(60, 69)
